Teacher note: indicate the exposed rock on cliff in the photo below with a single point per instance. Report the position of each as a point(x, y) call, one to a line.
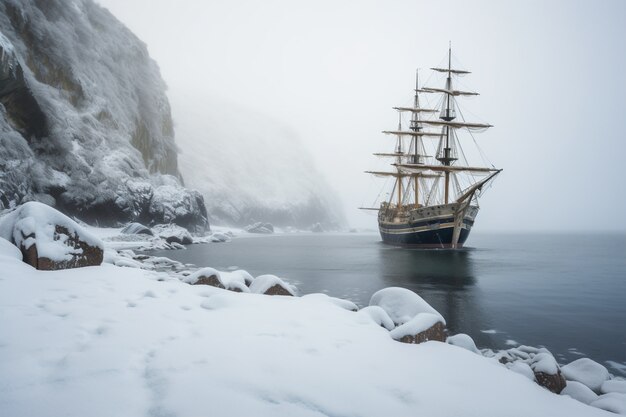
point(85, 124)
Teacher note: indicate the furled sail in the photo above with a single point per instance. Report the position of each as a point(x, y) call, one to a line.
point(411, 133)
point(452, 71)
point(451, 92)
point(416, 109)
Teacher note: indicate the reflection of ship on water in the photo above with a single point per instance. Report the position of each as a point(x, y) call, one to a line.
point(446, 280)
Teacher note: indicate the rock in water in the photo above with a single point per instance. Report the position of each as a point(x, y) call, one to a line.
point(85, 125)
point(50, 240)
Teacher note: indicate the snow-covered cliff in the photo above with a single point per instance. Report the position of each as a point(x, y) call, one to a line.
point(85, 124)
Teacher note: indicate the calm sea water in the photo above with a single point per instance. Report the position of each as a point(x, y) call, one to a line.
point(565, 292)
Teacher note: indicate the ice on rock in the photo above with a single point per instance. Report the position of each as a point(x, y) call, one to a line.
point(614, 402)
point(587, 372)
point(579, 392)
point(464, 341)
point(379, 316)
point(271, 284)
point(401, 304)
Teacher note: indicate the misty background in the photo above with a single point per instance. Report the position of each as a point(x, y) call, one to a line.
point(550, 74)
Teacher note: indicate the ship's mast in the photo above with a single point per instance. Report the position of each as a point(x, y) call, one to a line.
point(399, 152)
point(448, 114)
point(415, 126)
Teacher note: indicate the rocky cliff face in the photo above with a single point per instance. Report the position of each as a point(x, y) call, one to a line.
point(85, 124)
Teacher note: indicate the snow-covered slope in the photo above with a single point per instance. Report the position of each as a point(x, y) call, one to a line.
point(85, 124)
point(110, 341)
point(248, 167)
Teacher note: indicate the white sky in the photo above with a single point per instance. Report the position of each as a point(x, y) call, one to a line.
point(552, 78)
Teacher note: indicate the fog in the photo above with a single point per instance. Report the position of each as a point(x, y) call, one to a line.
point(550, 74)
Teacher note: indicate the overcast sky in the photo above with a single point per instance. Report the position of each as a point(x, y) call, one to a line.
point(552, 78)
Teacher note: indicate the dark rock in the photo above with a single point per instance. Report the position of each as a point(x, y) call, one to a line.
point(277, 289)
point(211, 280)
point(436, 332)
point(553, 382)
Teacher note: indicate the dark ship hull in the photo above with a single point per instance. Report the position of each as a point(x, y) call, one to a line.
point(438, 227)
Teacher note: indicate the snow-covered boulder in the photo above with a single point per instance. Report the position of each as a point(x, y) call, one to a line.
point(205, 276)
point(220, 238)
point(401, 304)
point(614, 402)
point(421, 328)
point(378, 316)
point(50, 240)
point(259, 227)
point(136, 229)
point(271, 285)
point(464, 341)
point(586, 371)
point(579, 392)
point(613, 385)
point(317, 228)
point(547, 372)
point(173, 233)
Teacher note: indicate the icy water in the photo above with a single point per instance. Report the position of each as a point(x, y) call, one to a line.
point(565, 292)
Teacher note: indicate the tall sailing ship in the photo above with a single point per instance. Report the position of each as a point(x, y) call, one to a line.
point(434, 201)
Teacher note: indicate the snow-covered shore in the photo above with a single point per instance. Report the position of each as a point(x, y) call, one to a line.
point(109, 340)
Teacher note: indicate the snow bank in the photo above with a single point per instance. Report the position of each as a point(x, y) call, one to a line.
point(339, 302)
point(109, 341)
point(401, 304)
